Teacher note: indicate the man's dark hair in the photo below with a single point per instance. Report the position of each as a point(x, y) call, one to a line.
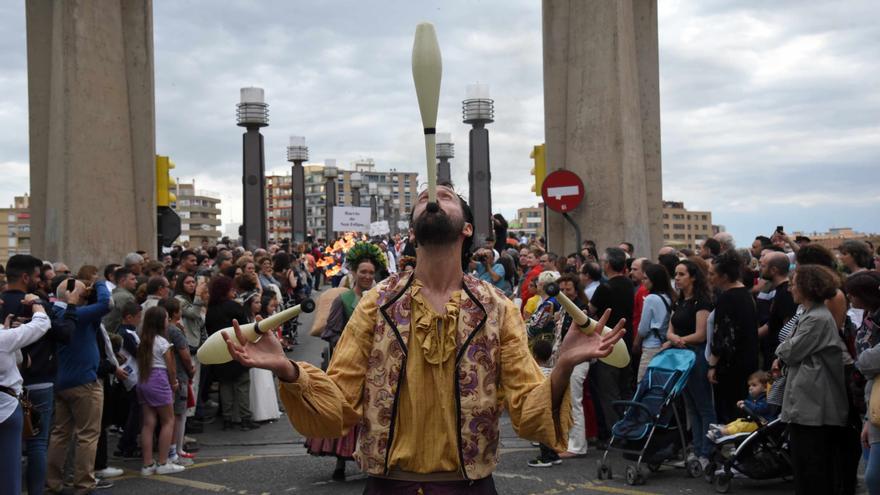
point(110, 271)
point(802, 238)
point(542, 350)
point(764, 240)
point(155, 284)
point(21, 264)
point(669, 261)
point(630, 247)
point(171, 305)
point(592, 270)
point(712, 245)
point(616, 259)
point(121, 273)
point(130, 308)
point(186, 254)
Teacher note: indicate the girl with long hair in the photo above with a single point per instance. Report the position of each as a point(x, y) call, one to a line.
point(656, 311)
point(157, 382)
point(263, 397)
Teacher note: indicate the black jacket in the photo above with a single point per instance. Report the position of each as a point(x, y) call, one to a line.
point(218, 317)
point(43, 365)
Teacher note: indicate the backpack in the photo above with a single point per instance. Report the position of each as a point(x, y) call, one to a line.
point(855, 380)
point(661, 336)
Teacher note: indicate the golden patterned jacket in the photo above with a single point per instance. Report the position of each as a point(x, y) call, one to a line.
point(428, 394)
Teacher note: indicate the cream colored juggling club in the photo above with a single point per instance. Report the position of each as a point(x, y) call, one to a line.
point(214, 350)
point(619, 357)
point(427, 69)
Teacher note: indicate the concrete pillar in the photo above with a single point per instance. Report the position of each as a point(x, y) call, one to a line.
point(92, 129)
point(601, 106)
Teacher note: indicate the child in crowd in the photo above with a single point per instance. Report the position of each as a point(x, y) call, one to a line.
point(542, 350)
point(185, 371)
point(131, 320)
point(158, 381)
point(756, 401)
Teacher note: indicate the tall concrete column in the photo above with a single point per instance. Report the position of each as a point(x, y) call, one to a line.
point(297, 153)
point(92, 126)
point(479, 110)
point(602, 119)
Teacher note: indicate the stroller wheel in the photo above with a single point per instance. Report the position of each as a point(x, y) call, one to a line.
point(722, 483)
point(634, 476)
point(603, 472)
point(694, 468)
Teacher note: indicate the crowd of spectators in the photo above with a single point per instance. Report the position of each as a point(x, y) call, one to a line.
point(112, 348)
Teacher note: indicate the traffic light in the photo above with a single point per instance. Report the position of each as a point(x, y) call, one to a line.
point(164, 181)
point(540, 168)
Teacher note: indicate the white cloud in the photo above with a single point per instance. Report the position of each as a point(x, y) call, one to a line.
point(769, 109)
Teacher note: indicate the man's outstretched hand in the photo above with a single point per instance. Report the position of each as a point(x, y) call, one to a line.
point(265, 353)
point(578, 347)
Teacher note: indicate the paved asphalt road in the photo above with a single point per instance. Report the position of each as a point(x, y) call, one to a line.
point(271, 460)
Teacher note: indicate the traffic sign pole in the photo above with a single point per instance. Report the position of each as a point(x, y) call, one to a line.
point(563, 191)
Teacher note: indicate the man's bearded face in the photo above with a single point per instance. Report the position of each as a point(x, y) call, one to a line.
point(441, 223)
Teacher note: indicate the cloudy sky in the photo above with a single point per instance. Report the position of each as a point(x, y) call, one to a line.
point(770, 110)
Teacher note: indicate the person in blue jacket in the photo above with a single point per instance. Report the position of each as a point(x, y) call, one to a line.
point(79, 395)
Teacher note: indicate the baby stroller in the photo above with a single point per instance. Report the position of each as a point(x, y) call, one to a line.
point(650, 430)
point(760, 455)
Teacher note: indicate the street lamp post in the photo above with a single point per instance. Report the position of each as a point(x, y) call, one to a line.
point(373, 190)
point(253, 113)
point(445, 151)
point(355, 180)
point(478, 110)
point(297, 153)
point(385, 194)
point(330, 174)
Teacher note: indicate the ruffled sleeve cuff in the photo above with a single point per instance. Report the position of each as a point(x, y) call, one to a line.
point(539, 422)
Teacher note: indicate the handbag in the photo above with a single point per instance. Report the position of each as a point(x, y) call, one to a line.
point(190, 396)
point(30, 415)
point(874, 404)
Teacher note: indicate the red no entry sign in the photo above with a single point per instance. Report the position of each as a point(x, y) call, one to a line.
point(562, 191)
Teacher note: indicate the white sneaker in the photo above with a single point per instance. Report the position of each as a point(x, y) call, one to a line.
point(109, 472)
point(148, 470)
point(180, 461)
point(169, 468)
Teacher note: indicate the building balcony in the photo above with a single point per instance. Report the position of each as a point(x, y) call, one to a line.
point(200, 233)
point(199, 209)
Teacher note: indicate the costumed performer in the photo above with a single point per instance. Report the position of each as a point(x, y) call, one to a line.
point(363, 261)
point(426, 365)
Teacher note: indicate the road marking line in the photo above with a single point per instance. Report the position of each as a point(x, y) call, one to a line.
point(590, 486)
point(201, 485)
point(519, 476)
